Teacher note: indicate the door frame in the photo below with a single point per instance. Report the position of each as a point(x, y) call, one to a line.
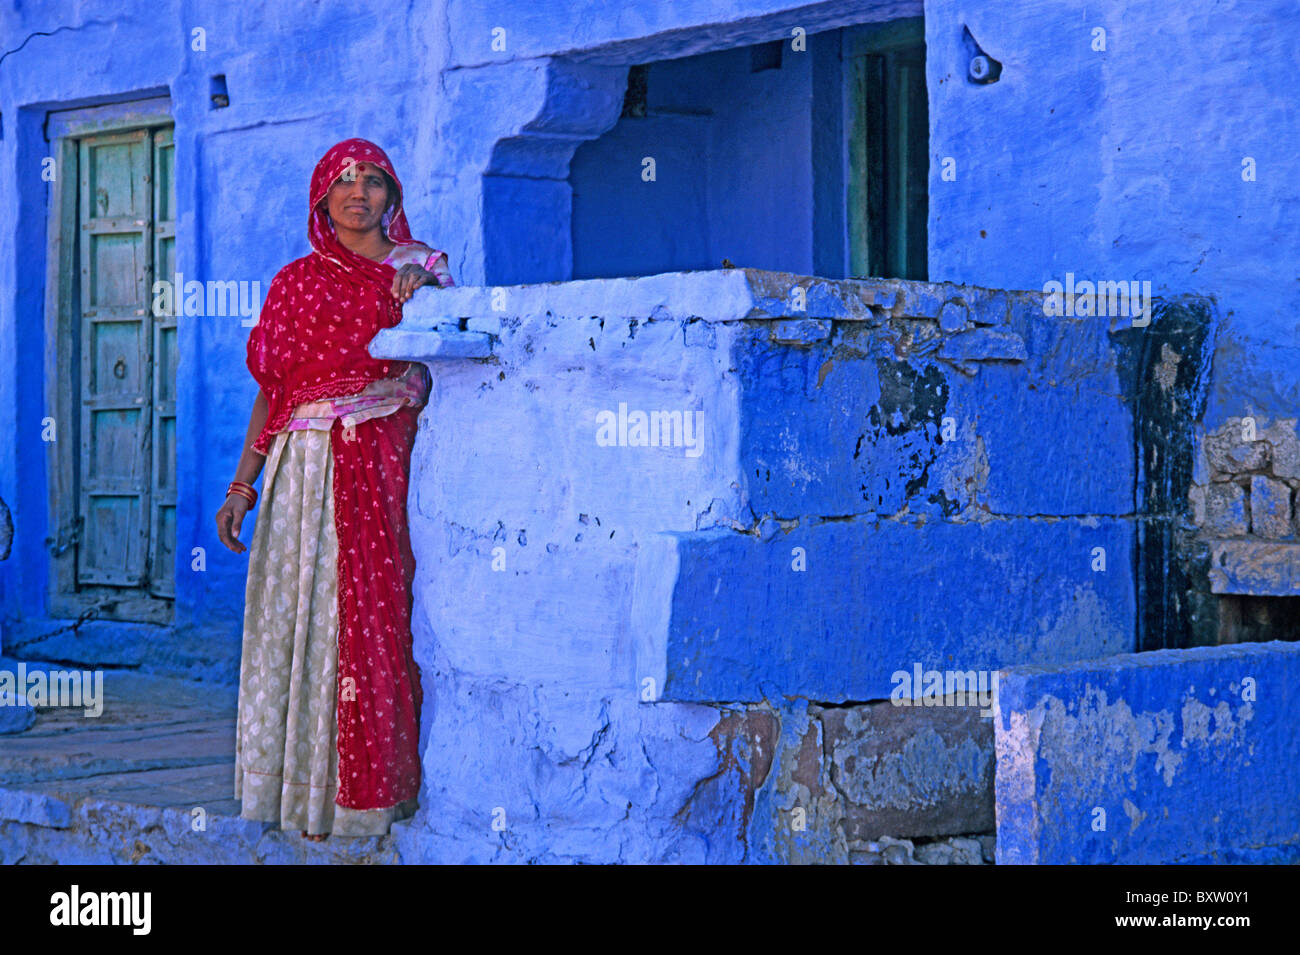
point(65, 597)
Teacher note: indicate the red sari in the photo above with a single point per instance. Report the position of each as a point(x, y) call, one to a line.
point(310, 343)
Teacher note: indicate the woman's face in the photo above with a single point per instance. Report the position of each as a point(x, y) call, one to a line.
point(358, 199)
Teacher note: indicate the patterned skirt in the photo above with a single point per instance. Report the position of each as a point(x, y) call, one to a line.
point(286, 749)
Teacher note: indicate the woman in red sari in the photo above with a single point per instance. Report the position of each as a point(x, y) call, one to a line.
point(329, 694)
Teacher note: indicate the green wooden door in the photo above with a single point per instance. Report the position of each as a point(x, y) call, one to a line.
point(889, 150)
point(127, 369)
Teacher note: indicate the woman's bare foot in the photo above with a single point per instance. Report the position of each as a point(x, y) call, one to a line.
point(316, 838)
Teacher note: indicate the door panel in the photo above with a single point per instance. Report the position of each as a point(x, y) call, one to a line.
point(116, 369)
point(115, 175)
point(116, 261)
point(115, 461)
point(115, 215)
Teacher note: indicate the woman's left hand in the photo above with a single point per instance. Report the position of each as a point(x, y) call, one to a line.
point(409, 278)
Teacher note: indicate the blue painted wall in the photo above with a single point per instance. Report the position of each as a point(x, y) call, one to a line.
point(731, 151)
point(1127, 163)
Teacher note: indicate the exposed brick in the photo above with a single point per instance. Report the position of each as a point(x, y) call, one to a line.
point(1225, 510)
point(909, 771)
point(1270, 507)
point(746, 741)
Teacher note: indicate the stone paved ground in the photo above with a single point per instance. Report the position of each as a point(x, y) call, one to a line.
point(124, 786)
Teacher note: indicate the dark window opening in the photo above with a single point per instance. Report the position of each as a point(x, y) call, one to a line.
point(765, 56)
point(1250, 619)
point(634, 100)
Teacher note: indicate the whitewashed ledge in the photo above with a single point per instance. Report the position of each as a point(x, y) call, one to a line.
point(458, 322)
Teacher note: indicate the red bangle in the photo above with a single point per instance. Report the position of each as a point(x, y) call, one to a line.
point(246, 491)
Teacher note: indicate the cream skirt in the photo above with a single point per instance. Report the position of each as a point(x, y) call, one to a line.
point(286, 753)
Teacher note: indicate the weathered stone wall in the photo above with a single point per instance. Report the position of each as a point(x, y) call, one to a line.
point(1141, 166)
point(626, 656)
point(864, 784)
point(904, 453)
point(1243, 547)
point(1172, 756)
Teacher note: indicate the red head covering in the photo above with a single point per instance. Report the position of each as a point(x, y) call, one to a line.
point(322, 310)
point(341, 158)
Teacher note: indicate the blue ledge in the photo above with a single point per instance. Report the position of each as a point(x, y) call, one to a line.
point(439, 344)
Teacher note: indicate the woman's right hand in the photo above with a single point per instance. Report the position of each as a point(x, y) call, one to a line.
point(230, 519)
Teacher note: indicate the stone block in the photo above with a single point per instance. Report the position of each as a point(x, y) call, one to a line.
point(1039, 600)
point(1259, 568)
point(16, 716)
point(1228, 453)
point(911, 771)
point(921, 300)
point(967, 851)
point(897, 851)
point(1285, 456)
point(954, 315)
point(984, 344)
point(439, 344)
point(803, 331)
point(39, 809)
point(1225, 510)
point(935, 853)
point(1167, 757)
point(1270, 507)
